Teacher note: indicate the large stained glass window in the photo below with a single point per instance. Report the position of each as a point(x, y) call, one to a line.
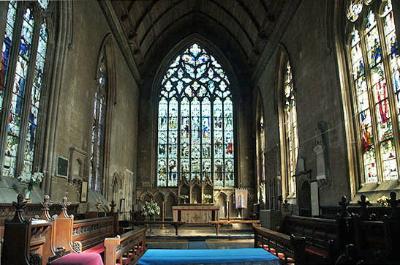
point(96, 171)
point(22, 69)
point(374, 56)
point(291, 142)
point(195, 122)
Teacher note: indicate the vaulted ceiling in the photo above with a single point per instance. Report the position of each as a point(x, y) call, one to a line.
point(245, 25)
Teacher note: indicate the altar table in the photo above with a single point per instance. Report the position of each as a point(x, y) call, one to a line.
point(195, 214)
point(240, 256)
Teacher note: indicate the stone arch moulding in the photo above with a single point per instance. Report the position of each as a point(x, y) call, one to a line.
point(155, 89)
point(282, 58)
point(62, 31)
point(106, 49)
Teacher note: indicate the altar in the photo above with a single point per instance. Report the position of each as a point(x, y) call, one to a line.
point(195, 213)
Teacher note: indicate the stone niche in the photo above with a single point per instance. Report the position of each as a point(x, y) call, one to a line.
point(196, 192)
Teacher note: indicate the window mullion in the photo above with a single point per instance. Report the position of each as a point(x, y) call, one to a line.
point(389, 87)
point(212, 138)
point(27, 96)
point(201, 139)
point(223, 144)
point(371, 102)
point(190, 139)
point(9, 82)
point(168, 144)
point(178, 142)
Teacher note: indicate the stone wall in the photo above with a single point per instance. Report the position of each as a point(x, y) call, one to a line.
point(309, 42)
point(89, 29)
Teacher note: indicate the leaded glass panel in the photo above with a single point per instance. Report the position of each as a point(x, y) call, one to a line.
point(376, 87)
point(99, 111)
point(290, 129)
point(195, 102)
point(24, 55)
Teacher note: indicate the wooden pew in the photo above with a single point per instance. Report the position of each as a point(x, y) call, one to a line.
point(376, 241)
point(86, 235)
point(31, 211)
point(125, 249)
point(289, 249)
point(26, 241)
point(221, 222)
point(321, 236)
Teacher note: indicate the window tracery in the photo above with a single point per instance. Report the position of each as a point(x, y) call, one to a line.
point(195, 122)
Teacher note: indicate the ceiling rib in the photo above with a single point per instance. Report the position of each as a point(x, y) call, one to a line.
point(244, 7)
point(206, 16)
point(177, 3)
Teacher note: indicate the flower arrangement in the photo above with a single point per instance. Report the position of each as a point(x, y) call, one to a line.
point(383, 201)
point(184, 198)
point(31, 178)
point(207, 198)
point(151, 209)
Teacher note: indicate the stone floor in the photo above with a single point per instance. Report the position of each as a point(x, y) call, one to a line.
point(200, 237)
point(235, 230)
point(200, 244)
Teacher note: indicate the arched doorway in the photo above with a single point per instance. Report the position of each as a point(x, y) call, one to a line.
point(304, 199)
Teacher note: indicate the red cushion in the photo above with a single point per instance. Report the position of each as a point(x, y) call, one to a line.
point(96, 249)
point(317, 251)
point(79, 259)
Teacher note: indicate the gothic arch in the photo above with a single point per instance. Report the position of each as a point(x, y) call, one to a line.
point(167, 61)
point(343, 25)
point(106, 54)
point(260, 164)
point(283, 59)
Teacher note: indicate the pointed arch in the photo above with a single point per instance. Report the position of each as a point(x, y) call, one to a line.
point(287, 113)
point(368, 52)
point(195, 119)
point(260, 149)
point(104, 99)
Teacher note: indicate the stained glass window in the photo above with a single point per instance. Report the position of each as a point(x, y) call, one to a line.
point(260, 141)
point(21, 84)
point(374, 55)
point(291, 142)
point(98, 128)
point(195, 122)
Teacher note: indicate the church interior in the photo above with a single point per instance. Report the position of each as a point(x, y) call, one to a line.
point(199, 132)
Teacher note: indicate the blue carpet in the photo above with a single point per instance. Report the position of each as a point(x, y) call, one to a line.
point(208, 256)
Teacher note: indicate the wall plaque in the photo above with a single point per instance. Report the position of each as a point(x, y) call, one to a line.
point(62, 167)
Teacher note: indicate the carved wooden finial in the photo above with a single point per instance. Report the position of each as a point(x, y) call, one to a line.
point(394, 203)
point(343, 212)
point(364, 203)
point(19, 205)
point(112, 206)
point(65, 203)
point(46, 207)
